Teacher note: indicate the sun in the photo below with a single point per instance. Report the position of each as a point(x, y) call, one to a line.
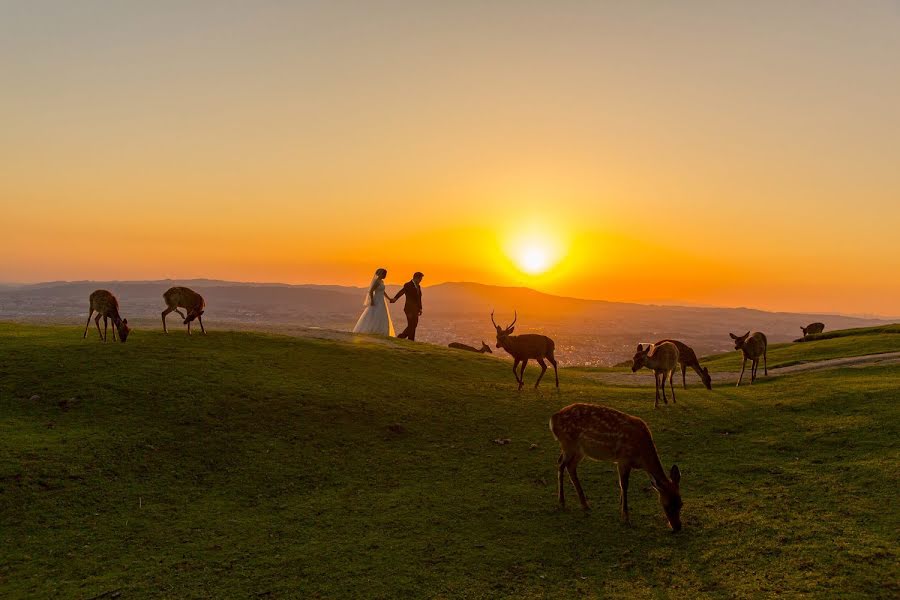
point(534, 259)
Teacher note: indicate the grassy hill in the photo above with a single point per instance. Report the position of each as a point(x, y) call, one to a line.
point(251, 465)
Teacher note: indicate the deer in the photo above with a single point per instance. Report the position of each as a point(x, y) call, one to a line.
point(662, 359)
point(813, 328)
point(604, 434)
point(186, 298)
point(107, 306)
point(688, 358)
point(460, 346)
point(525, 347)
point(752, 347)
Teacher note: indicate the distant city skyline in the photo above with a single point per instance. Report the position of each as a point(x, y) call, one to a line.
point(717, 154)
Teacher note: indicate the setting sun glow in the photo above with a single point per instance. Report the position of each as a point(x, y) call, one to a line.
point(534, 260)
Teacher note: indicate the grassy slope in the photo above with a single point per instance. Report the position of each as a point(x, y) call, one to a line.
point(239, 464)
point(835, 344)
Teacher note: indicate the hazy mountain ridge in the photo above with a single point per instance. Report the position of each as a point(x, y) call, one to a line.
point(593, 332)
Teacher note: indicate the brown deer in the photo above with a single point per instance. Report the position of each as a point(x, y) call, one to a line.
point(186, 298)
point(525, 347)
point(460, 346)
point(601, 433)
point(813, 328)
point(662, 359)
point(106, 306)
point(752, 347)
point(688, 358)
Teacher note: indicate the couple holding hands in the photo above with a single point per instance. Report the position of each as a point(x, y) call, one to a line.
point(376, 318)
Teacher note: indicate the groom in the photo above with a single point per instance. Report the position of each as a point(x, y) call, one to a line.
point(413, 307)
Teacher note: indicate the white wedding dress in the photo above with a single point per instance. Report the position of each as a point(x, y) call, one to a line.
point(376, 318)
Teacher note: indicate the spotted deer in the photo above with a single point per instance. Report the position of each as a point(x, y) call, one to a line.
point(107, 306)
point(460, 346)
point(604, 434)
point(688, 358)
point(662, 359)
point(813, 328)
point(186, 298)
point(525, 347)
point(752, 347)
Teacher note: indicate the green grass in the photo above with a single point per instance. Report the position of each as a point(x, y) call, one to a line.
point(837, 344)
point(250, 465)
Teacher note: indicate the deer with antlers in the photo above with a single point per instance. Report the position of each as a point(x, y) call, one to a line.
point(524, 348)
point(460, 346)
point(662, 359)
point(601, 433)
point(107, 306)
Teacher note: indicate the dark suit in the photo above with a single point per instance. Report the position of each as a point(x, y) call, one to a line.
point(412, 308)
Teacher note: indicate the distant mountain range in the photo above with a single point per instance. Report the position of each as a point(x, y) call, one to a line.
point(586, 331)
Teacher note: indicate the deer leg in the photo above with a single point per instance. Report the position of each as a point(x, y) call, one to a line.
point(743, 366)
point(624, 473)
point(656, 389)
point(180, 314)
point(200, 320)
point(662, 384)
point(88, 324)
point(572, 467)
point(516, 370)
point(114, 331)
point(97, 323)
point(164, 313)
point(105, 321)
point(671, 387)
point(753, 365)
point(683, 378)
point(543, 370)
point(555, 370)
point(561, 463)
point(765, 364)
point(189, 328)
point(522, 374)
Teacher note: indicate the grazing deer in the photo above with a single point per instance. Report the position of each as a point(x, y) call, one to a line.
point(459, 346)
point(106, 306)
point(752, 347)
point(688, 358)
point(662, 359)
point(601, 433)
point(525, 347)
point(813, 328)
point(186, 298)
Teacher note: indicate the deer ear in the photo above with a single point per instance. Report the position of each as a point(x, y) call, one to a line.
point(746, 335)
point(510, 330)
point(675, 474)
point(640, 348)
point(124, 321)
point(734, 337)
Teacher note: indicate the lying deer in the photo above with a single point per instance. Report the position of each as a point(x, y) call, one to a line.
point(186, 298)
point(813, 328)
point(662, 359)
point(752, 347)
point(525, 347)
point(601, 433)
point(688, 358)
point(106, 306)
point(459, 346)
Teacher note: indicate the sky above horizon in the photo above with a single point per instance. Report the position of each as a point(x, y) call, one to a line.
point(715, 153)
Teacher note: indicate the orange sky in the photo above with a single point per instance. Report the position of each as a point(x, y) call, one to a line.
point(722, 155)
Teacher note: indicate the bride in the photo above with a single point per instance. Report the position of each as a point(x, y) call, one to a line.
point(376, 318)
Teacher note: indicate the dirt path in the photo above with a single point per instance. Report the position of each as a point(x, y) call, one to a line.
point(645, 377)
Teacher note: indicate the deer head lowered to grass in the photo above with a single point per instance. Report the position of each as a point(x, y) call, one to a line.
point(186, 298)
point(107, 306)
point(525, 347)
point(601, 433)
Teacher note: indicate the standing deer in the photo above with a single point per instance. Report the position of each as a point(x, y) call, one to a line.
point(813, 328)
point(460, 346)
point(186, 298)
point(662, 359)
point(106, 306)
point(601, 433)
point(688, 358)
point(752, 347)
point(525, 347)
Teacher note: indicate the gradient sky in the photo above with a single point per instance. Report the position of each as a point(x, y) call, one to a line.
point(702, 152)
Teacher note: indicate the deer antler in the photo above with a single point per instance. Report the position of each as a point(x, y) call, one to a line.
point(515, 318)
point(493, 321)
